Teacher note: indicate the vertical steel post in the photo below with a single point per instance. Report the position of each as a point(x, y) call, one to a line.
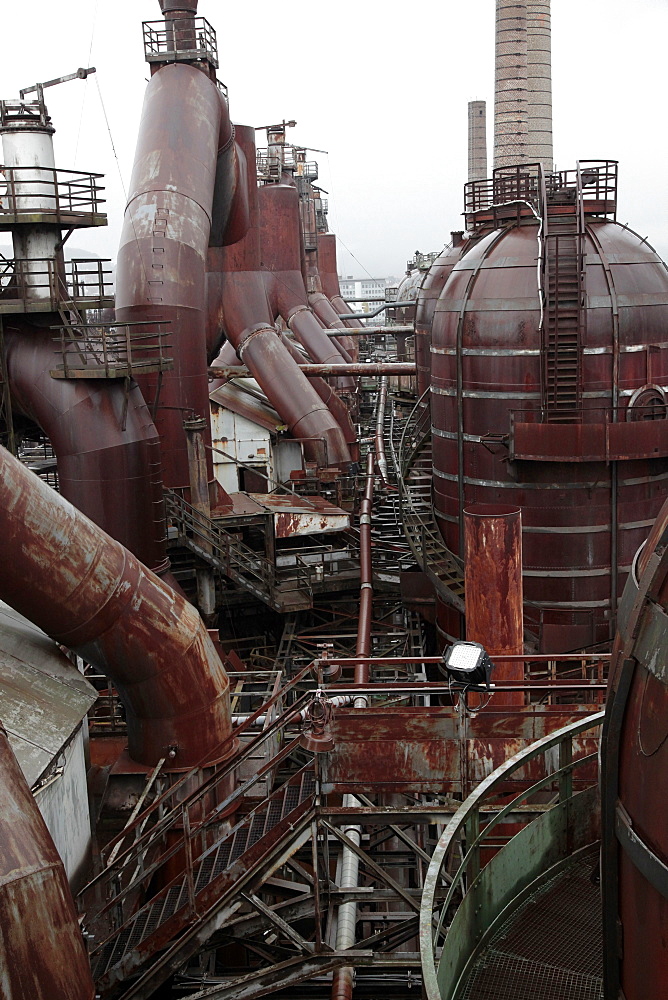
point(493, 586)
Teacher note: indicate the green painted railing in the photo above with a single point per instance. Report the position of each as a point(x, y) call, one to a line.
point(560, 828)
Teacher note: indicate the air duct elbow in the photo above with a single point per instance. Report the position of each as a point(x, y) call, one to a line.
point(89, 593)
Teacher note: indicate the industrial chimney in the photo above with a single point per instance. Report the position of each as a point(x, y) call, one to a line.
point(523, 85)
point(477, 140)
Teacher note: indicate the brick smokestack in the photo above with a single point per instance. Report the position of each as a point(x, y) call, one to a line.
point(523, 85)
point(477, 140)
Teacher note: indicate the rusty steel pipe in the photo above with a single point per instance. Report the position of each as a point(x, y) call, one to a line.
point(109, 472)
point(493, 588)
point(379, 439)
point(89, 593)
point(342, 979)
point(238, 304)
point(281, 258)
point(333, 402)
point(42, 953)
point(317, 371)
point(183, 193)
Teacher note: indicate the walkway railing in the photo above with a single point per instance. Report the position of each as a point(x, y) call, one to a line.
point(486, 888)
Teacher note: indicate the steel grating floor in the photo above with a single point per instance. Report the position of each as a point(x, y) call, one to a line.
point(551, 947)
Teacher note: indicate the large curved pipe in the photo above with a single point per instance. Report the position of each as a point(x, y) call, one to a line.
point(89, 593)
point(185, 146)
point(239, 306)
point(42, 953)
point(108, 456)
point(333, 402)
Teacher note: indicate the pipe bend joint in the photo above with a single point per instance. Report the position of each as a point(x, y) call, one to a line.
point(250, 333)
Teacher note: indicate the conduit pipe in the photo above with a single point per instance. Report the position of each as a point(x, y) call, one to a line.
point(379, 439)
point(342, 980)
point(183, 194)
point(89, 593)
point(42, 953)
point(493, 589)
point(108, 471)
point(239, 306)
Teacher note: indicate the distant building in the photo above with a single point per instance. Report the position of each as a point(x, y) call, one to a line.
point(363, 289)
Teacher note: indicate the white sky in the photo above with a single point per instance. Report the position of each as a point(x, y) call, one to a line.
point(383, 87)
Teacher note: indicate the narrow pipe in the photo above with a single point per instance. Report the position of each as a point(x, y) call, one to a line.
point(342, 980)
point(281, 258)
point(333, 402)
point(89, 593)
point(408, 304)
point(316, 371)
point(42, 953)
point(108, 456)
point(493, 588)
point(381, 458)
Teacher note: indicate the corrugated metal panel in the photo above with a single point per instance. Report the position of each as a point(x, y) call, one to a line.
point(43, 697)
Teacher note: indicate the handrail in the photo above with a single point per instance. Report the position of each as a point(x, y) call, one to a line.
point(240, 561)
point(178, 791)
point(467, 821)
point(195, 846)
point(50, 191)
point(423, 534)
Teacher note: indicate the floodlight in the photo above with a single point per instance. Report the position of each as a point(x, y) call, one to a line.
point(468, 663)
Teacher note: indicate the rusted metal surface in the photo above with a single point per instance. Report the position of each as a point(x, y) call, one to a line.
point(435, 750)
point(281, 255)
point(107, 447)
point(239, 306)
point(303, 517)
point(335, 403)
point(187, 132)
point(493, 588)
point(487, 357)
point(634, 765)
point(316, 370)
point(430, 290)
point(42, 953)
point(89, 593)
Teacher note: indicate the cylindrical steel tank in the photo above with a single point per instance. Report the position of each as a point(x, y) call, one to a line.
point(634, 766)
point(588, 490)
point(428, 295)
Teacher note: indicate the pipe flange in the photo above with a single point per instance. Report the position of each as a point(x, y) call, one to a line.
point(255, 331)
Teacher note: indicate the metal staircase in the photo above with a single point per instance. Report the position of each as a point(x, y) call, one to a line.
point(412, 458)
point(137, 947)
point(285, 590)
point(563, 325)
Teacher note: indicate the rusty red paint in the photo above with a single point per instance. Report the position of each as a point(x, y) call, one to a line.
point(493, 588)
point(90, 594)
point(238, 303)
point(42, 953)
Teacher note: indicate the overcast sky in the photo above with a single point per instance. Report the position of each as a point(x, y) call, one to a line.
point(383, 88)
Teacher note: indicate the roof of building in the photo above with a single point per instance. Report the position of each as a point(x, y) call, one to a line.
point(43, 697)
